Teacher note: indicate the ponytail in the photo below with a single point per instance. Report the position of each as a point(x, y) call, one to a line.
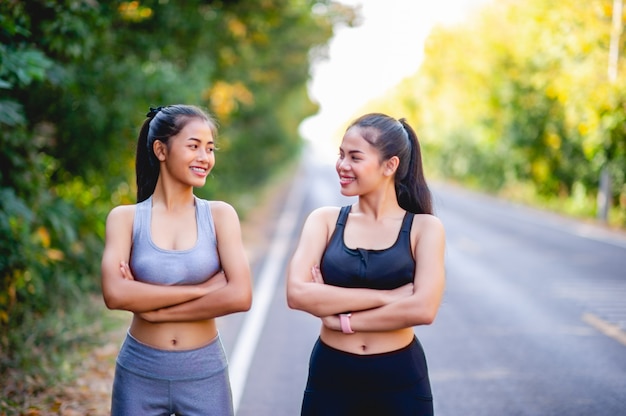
point(393, 137)
point(146, 169)
point(412, 190)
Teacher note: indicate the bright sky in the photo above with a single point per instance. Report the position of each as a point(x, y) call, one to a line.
point(366, 61)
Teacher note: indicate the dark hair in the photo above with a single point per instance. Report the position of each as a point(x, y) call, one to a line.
point(161, 124)
point(393, 137)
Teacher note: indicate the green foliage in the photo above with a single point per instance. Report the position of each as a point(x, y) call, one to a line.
point(519, 97)
point(76, 79)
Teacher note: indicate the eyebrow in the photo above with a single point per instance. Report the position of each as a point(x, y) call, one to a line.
point(350, 152)
point(195, 139)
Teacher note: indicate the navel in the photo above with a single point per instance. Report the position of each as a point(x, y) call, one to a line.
point(174, 342)
point(363, 348)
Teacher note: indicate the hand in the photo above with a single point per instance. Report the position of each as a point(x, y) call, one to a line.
point(332, 322)
point(125, 269)
point(400, 292)
point(150, 316)
point(316, 274)
point(217, 281)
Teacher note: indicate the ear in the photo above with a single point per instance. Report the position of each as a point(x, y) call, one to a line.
point(390, 166)
point(160, 150)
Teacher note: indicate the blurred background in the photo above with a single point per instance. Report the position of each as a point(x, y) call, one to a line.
point(524, 100)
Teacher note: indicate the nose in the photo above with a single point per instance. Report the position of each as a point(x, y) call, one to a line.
point(203, 154)
point(341, 164)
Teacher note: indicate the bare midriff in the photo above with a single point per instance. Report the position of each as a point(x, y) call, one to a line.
point(365, 343)
point(174, 335)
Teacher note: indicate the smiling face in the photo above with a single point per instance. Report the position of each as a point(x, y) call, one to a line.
point(189, 156)
point(359, 166)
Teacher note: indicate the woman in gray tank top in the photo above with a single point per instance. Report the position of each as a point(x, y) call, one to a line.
point(176, 262)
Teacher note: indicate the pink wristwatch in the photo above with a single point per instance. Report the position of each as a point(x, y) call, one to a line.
point(344, 321)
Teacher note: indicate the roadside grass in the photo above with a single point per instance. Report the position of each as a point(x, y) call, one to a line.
point(57, 349)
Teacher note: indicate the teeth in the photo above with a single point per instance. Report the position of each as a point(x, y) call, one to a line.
point(199, 170)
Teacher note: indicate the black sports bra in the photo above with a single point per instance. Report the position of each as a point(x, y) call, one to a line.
point(374, 269)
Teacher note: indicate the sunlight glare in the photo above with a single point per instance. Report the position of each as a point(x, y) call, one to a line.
point(368, 60)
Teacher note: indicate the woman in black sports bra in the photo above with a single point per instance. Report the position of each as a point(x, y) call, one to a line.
point(371, 272)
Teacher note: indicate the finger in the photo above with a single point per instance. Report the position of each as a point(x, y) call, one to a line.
point(316, 275)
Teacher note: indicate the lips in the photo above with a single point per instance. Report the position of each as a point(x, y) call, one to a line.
point(199, 170)
point(346, 180)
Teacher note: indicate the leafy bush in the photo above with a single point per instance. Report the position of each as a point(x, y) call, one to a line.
point(76, 79)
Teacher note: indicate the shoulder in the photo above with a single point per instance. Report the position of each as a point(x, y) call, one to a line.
point(321, 221)
point(427, 224)
point(221, 208)
point(121, 213)
point(324, 214)
point(224, 215)
point(120, 220)
point(323, 218)
point(427, 220)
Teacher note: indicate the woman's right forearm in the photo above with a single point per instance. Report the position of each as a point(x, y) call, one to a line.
point(323, 300)
point(140, 297)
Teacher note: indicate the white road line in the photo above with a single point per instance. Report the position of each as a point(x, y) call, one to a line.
point(606, 328)
point(250, 332)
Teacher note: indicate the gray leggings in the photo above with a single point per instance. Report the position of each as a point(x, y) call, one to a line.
point(149, 381)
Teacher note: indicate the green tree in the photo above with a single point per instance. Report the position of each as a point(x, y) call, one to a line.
point(518, 97)
point(76, 79)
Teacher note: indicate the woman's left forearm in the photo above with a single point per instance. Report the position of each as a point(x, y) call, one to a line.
point(230, 298)
point(404, 313)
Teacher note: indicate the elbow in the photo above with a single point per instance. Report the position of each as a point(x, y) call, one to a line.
point(427, 317)
point(291, 301)
point(112, 302)
point(423, 310)
point(294, 299)
point(246, 302)
point(300, 304)
point(115, 298)
point(424, 316)
point(243, 300)
point(109, 304)
point(299, 298)
point(292, 304)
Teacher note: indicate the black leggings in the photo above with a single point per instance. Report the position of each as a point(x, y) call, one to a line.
point(389, 384)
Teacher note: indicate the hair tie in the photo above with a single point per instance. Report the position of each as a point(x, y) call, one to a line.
point(150, 138)
point(403, 123)
point(153, 111)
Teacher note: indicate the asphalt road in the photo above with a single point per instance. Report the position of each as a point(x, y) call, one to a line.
point(533, 320)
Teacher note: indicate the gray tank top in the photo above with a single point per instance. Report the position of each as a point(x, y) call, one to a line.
point(152, 264)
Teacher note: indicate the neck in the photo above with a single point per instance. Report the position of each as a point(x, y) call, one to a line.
point(380, 204)
point(172, 197)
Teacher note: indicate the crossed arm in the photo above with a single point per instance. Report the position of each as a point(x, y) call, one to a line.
point(226, 292)
point(372, 310)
